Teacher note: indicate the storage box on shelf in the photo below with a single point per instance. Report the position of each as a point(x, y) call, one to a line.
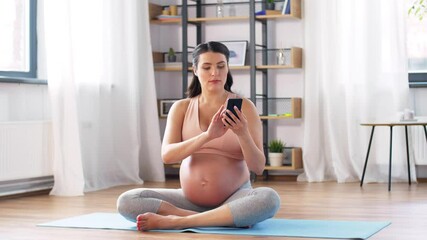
point(158, 57)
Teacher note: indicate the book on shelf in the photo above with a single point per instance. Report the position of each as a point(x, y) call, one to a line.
point(286, 7)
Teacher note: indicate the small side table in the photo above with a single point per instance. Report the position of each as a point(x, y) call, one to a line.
point(391, 125)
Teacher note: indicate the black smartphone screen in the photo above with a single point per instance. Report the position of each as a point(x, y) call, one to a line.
point(234, 102)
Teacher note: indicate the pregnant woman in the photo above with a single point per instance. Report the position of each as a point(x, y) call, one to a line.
point(216, 150)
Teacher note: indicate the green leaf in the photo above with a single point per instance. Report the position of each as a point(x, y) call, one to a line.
point(276, 146)
point(417, 11)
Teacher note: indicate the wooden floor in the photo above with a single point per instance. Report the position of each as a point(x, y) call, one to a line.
point(405, 206)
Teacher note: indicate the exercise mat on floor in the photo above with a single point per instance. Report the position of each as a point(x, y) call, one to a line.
point(270, 227)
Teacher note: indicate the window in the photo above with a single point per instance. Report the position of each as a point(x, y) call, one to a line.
point(417, 43)
point(18, 43)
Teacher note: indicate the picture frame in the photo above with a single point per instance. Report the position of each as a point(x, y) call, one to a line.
point(238, 51)
point(165, 105)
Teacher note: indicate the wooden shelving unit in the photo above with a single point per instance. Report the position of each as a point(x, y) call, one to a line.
point(296, 161)
point(253, 68)
point(169, 21)
point(224, 19)
point(215, 19)
point(294, 114)
point(296, 61)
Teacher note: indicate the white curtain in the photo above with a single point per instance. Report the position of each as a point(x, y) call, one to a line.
point(103, 98)
point(356, 71)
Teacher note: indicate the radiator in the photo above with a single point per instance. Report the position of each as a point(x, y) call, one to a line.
point(25, 156)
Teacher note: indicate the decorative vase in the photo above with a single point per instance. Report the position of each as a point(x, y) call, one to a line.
point(281, 57)
point(219, 9)
point(276, 159)
point(172, 58)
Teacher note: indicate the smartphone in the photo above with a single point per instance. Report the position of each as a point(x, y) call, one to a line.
point(234, 102)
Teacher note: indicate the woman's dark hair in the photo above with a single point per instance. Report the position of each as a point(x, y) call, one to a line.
point(195, 88)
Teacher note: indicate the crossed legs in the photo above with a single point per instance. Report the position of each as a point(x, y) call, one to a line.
point(169, 209)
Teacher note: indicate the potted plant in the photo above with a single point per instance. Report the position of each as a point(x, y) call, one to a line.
point(171, 55)
point(270, 5)
point(275, 152)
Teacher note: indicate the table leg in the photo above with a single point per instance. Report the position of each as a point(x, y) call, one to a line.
point(425, 131)
point(407, 154)
point(367, 155)
point(391, 150)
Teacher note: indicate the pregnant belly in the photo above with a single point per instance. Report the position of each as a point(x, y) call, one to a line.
point(208, 180)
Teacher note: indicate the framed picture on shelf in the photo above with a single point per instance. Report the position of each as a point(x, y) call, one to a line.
point(165, 105)
point(237, 52)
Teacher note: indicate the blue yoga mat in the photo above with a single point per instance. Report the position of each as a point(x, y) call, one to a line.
point(270, 227)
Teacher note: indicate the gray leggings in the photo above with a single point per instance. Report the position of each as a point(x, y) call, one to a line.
point(248, 205)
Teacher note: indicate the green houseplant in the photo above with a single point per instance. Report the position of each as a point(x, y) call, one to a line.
point(171, 55)
point(276, 146)
point(275, 152)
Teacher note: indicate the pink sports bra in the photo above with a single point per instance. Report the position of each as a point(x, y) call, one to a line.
point(227, 145)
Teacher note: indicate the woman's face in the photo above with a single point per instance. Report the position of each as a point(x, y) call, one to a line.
point(212, 71)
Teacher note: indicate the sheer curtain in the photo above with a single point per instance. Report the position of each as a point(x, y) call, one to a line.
point(102, 90)
point(356, 71)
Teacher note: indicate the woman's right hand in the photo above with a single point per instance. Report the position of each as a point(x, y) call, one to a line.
point(216, 128)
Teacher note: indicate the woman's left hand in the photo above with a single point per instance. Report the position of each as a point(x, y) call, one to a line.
point(238, 124)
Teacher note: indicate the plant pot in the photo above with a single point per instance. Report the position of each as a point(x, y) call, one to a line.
point(276, 159)
point(270, 6)
point(172, 58)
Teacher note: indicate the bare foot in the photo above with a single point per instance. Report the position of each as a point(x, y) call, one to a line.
point(150, 221)
point(169, 209)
